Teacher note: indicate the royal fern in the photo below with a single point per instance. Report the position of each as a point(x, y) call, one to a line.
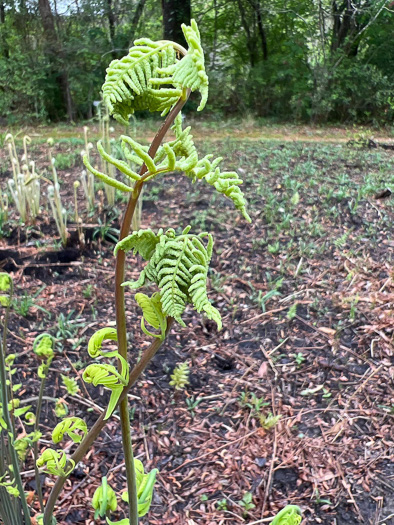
point(151, 77)
point(127, 86)
point(180, 376)
point(178, 264)
point(177, 155)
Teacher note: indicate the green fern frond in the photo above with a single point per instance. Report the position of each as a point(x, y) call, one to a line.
point(143, 242)
point(179, 266)
point(71, 385)
point(206, 169)
point(152, 313)
point(181, 155)
point(127, 86)
point(180, 376)
point(290, 515)
point(189, 72)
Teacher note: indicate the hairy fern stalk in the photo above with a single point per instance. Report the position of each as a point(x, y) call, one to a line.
point(153, 76)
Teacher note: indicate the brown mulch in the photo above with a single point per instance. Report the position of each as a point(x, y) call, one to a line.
point(331, 451)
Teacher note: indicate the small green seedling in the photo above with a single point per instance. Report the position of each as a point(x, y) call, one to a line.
point(247, 503)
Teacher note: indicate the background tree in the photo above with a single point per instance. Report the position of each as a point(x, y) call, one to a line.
point(317, 60)
point(175, 13)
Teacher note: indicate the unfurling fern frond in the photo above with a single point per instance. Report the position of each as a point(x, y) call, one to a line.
point(43, 348)
point(127, 86)
point(290, 515)
point(5, 282)
point(104, 499)
point(10, 487)
point(142, 242)
point(189, 72)
point(145, 485)
point(206, 169)
point(96, 341)
point(180, 376)
point(22, 445)
point(181, 155)
point(55, 462)
point(109, 377)
point(178, 264)
point(152, 313)
point(69, 426)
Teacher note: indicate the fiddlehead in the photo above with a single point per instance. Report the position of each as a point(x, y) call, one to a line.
point(55, 462)
point(22, 444)
point(43, 348)
point(69, 426)
point(145, 486)
point(179, 266)
point(96, 341)
point(6, 285)
point(109, 377)
point(290, 515)
point(152, 313)
point(104, 499)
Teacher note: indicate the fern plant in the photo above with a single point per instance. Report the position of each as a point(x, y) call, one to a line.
point(153, 76)
point(180, 376)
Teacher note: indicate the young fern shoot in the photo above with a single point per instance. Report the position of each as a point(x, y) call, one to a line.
point(153, 76)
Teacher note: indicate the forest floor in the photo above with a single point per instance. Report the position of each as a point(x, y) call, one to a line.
point(306, 294)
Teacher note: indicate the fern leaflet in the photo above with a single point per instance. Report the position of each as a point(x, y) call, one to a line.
point(189, 72)
point(127, 86)
point(179, 266)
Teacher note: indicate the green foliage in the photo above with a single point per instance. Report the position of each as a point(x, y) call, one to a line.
point(190, 71)
point(247, 502)
point(109, 377)
point(179, 266)
point(61, 409)
point(71, 385)
point(355, 92)
point(180, 376)
point(55, 462)
point(128, 86)
point(97, 339)
point(104, 499)
point(43, 347)
point(6, 286)
point(5, 282)
point(222, 504)
point(69, 426)
point(152, 313)
point(65, 160)
point(145, 487)
point(290, 515)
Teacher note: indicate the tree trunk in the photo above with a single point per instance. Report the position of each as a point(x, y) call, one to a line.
point(175, 13)
point(136, 18)
point(263, 36)
point(345, 27)
point(250, 44)
point(56, 56)
point(112, 26)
